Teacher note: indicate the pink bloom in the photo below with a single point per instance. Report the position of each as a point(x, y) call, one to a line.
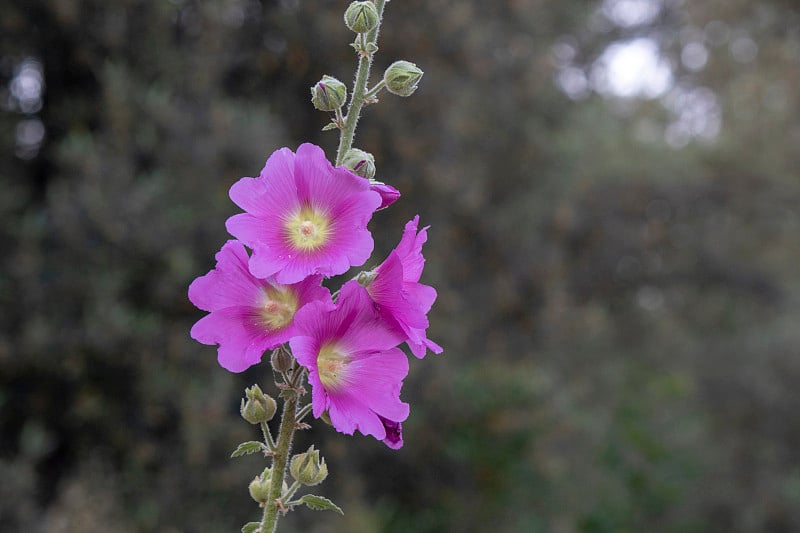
point(354, 367)
point(401, 300)
point(303, 217)
point(389, 194)
point(247, 315)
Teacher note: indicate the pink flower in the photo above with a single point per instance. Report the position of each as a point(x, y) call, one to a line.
point(247, 315)
point(303, 217)
point(389, 194)
point(401, 300)
point(354, 367)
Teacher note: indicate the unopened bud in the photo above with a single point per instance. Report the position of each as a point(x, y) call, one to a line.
point(281, 360)
point(328, 94)
point(307, 468)
point(360, 162)
point(361, 17)
point(259, 487)
point(389, 194)
point(258, 407)
point(402, 77)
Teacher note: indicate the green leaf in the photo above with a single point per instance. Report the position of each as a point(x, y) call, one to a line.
point(318, 503)
point(246, 448)
point(251, 527)
point(330, 126)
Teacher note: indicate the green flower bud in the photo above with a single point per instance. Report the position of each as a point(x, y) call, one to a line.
point(259, 407)
point(361, 17)
point(402, 77)
point(259, 487)
point(328, 94)
point(360, 162)
point(307, 467)
point(281, 360)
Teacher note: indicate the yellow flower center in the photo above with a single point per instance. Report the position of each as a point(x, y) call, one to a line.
point(307, 229)
point(278, 308)
point(332, 367)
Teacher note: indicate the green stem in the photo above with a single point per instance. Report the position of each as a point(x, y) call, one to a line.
point(267, 437)
point(292, 490)
point(348, 131)
point(301, 414)
point(375, 90)
point(269, 522)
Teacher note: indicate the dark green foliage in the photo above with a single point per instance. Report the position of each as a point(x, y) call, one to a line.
point(619, 315)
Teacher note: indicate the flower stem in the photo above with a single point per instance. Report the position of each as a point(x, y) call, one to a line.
point(269, 522)
point(348, 130)
point(375, 90)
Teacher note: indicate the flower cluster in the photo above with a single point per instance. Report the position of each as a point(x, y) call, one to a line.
point(306, 221)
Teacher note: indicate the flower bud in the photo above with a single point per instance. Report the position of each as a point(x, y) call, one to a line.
point(281, 360)
point(389, 194)
point(259, 487)
point(402, 77)
point(307, 467)
point(361, 17)
point(328, 94)
point(360, 162)
point(259, 407)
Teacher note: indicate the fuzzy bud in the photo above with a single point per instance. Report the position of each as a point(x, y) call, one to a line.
point(361, 17)
point(307, 468)
point(258, 407)
point(281, 360)
point(259, 487)
point(328, 94)
point(402, 77)
point(360, 162)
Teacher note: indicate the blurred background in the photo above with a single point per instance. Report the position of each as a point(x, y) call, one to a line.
point(612, 188)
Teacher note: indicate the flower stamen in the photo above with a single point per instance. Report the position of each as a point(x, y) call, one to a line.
point(278, 309)
point(332, 367)
point(307, 229)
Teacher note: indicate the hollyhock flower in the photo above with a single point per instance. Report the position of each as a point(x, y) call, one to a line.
point(399, 297)
point(389, 194)
point(303, 217)
point(248, 315)
point(354, 366)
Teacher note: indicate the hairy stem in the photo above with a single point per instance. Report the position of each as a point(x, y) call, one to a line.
point(269, 522)
point(348, 130)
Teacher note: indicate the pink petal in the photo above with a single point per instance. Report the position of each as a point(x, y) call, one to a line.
point(348, 414)
point(229, 284)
